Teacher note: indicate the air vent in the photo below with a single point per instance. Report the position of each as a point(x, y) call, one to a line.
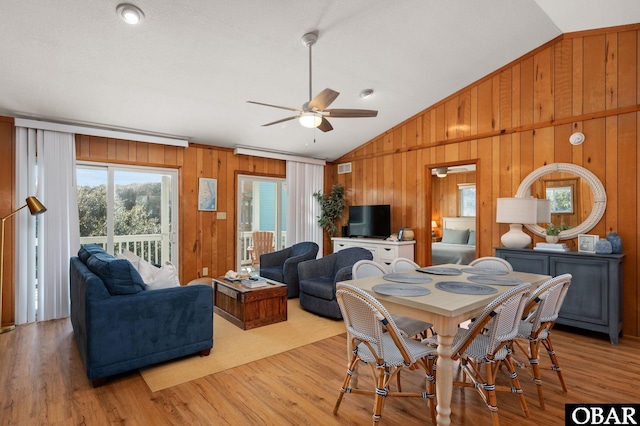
point(344, 168)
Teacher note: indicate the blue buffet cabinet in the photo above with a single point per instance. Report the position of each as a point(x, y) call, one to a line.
point(594, 300)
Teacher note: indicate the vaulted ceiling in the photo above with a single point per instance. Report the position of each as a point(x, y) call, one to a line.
point(188, 68)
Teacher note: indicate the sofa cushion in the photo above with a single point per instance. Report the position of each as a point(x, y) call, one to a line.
point(131, 257)
point(156, 278)
point(321, 287)
point(118, 275)
point(87, 250)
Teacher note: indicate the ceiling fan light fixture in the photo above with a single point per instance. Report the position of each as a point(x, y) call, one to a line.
point(130, 13)
point(441, 172)
point(310, 119)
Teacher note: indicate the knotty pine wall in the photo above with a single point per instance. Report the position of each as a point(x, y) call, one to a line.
point(509, 123)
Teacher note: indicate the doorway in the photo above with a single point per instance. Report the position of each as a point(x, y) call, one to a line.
point(453, 195)
point(261, 207)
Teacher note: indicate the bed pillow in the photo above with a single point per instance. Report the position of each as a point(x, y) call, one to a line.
point(472, 238)
point(455, 236)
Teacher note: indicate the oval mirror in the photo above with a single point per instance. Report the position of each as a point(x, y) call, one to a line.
point(556, 181)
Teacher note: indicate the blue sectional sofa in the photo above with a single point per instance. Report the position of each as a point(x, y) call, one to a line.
point(121, 326)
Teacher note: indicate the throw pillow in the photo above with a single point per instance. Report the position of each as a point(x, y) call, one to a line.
point(87, 250)
point(118, 275)
point(155, 278)
point(455, 236)
point(131, 257)
point(472, 238)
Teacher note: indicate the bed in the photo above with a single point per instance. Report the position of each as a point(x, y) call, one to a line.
point(458, 244)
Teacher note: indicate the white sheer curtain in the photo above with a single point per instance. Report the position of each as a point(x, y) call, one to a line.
point(58, 229)
point(303, 179)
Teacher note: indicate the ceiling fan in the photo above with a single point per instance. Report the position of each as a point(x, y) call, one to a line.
point(314, 113)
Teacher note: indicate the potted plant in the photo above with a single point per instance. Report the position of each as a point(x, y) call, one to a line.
point(553, 232)
point(331, 206)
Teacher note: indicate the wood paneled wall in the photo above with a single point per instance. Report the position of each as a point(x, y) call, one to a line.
point(207, 239)
point(511, 122)
point(7, 205)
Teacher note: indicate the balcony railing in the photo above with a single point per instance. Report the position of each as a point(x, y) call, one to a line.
point(147, 246)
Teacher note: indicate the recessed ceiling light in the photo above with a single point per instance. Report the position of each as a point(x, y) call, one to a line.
point(366, 93)
point(129, 13)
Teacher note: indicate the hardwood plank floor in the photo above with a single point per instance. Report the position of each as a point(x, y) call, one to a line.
point(43, 383)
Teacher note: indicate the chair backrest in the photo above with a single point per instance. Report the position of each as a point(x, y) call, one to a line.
point(491, 262)
point(367, 321)
point(305, 247)
point(349, 256)
point(545, 302)
point(501, 317)
point(367, 268)
point(401, 264)
point(262, 243)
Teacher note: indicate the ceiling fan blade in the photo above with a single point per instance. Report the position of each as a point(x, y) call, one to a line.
point(351, 113)
point(323, 99)
point(325, 126)
point(280, 121)
point(275, 106)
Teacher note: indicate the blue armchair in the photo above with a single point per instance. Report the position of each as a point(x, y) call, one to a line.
point(282, 265)
point(318, 280)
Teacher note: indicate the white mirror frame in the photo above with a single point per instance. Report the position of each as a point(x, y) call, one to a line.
point(599, 198)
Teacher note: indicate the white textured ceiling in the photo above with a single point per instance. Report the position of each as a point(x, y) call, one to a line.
point(190, 67)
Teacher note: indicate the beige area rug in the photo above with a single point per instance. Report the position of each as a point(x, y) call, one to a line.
point(233, 346)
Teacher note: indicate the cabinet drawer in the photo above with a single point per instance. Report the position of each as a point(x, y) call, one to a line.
point(387, 253)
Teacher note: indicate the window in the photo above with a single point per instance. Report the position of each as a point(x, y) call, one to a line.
point(133, 208)
point(561, 198)
point(467, 196)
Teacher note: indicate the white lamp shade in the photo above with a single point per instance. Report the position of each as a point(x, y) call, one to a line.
point(517, 210)
point(544, 211)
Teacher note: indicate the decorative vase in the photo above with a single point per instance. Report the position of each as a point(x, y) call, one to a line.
point(603, 246)
point(616, 242)
point(407, 234)
point(553, 239)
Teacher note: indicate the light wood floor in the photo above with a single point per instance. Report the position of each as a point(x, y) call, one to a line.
point(43, 382)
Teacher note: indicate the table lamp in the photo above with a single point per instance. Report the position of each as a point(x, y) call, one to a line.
point(516, 212)
point(434, 225)
point(35, 207)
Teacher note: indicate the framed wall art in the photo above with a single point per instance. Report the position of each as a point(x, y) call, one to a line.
point(208, 194)
point(587, 243)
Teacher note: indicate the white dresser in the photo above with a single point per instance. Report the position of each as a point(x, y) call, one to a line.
point(383, 251)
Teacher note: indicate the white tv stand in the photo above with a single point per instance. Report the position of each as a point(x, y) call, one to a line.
point(383, 251)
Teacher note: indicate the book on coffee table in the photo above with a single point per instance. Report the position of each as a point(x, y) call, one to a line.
point(254, 283)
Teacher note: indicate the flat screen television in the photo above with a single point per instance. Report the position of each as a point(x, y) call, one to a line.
point(370, 221)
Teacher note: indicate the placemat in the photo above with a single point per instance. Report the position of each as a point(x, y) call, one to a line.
point(491, 280)
point(465, 288)
point(484, 271)
point(406, 290)
point(439, 270)
point(400, 277)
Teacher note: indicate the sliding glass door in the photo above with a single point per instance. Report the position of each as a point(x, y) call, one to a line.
point(261, 207)
point(133, 208)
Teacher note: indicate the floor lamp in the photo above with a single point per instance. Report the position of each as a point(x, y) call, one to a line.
point(35, 207)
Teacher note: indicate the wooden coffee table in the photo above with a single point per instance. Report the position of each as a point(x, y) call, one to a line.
point(249, 308)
